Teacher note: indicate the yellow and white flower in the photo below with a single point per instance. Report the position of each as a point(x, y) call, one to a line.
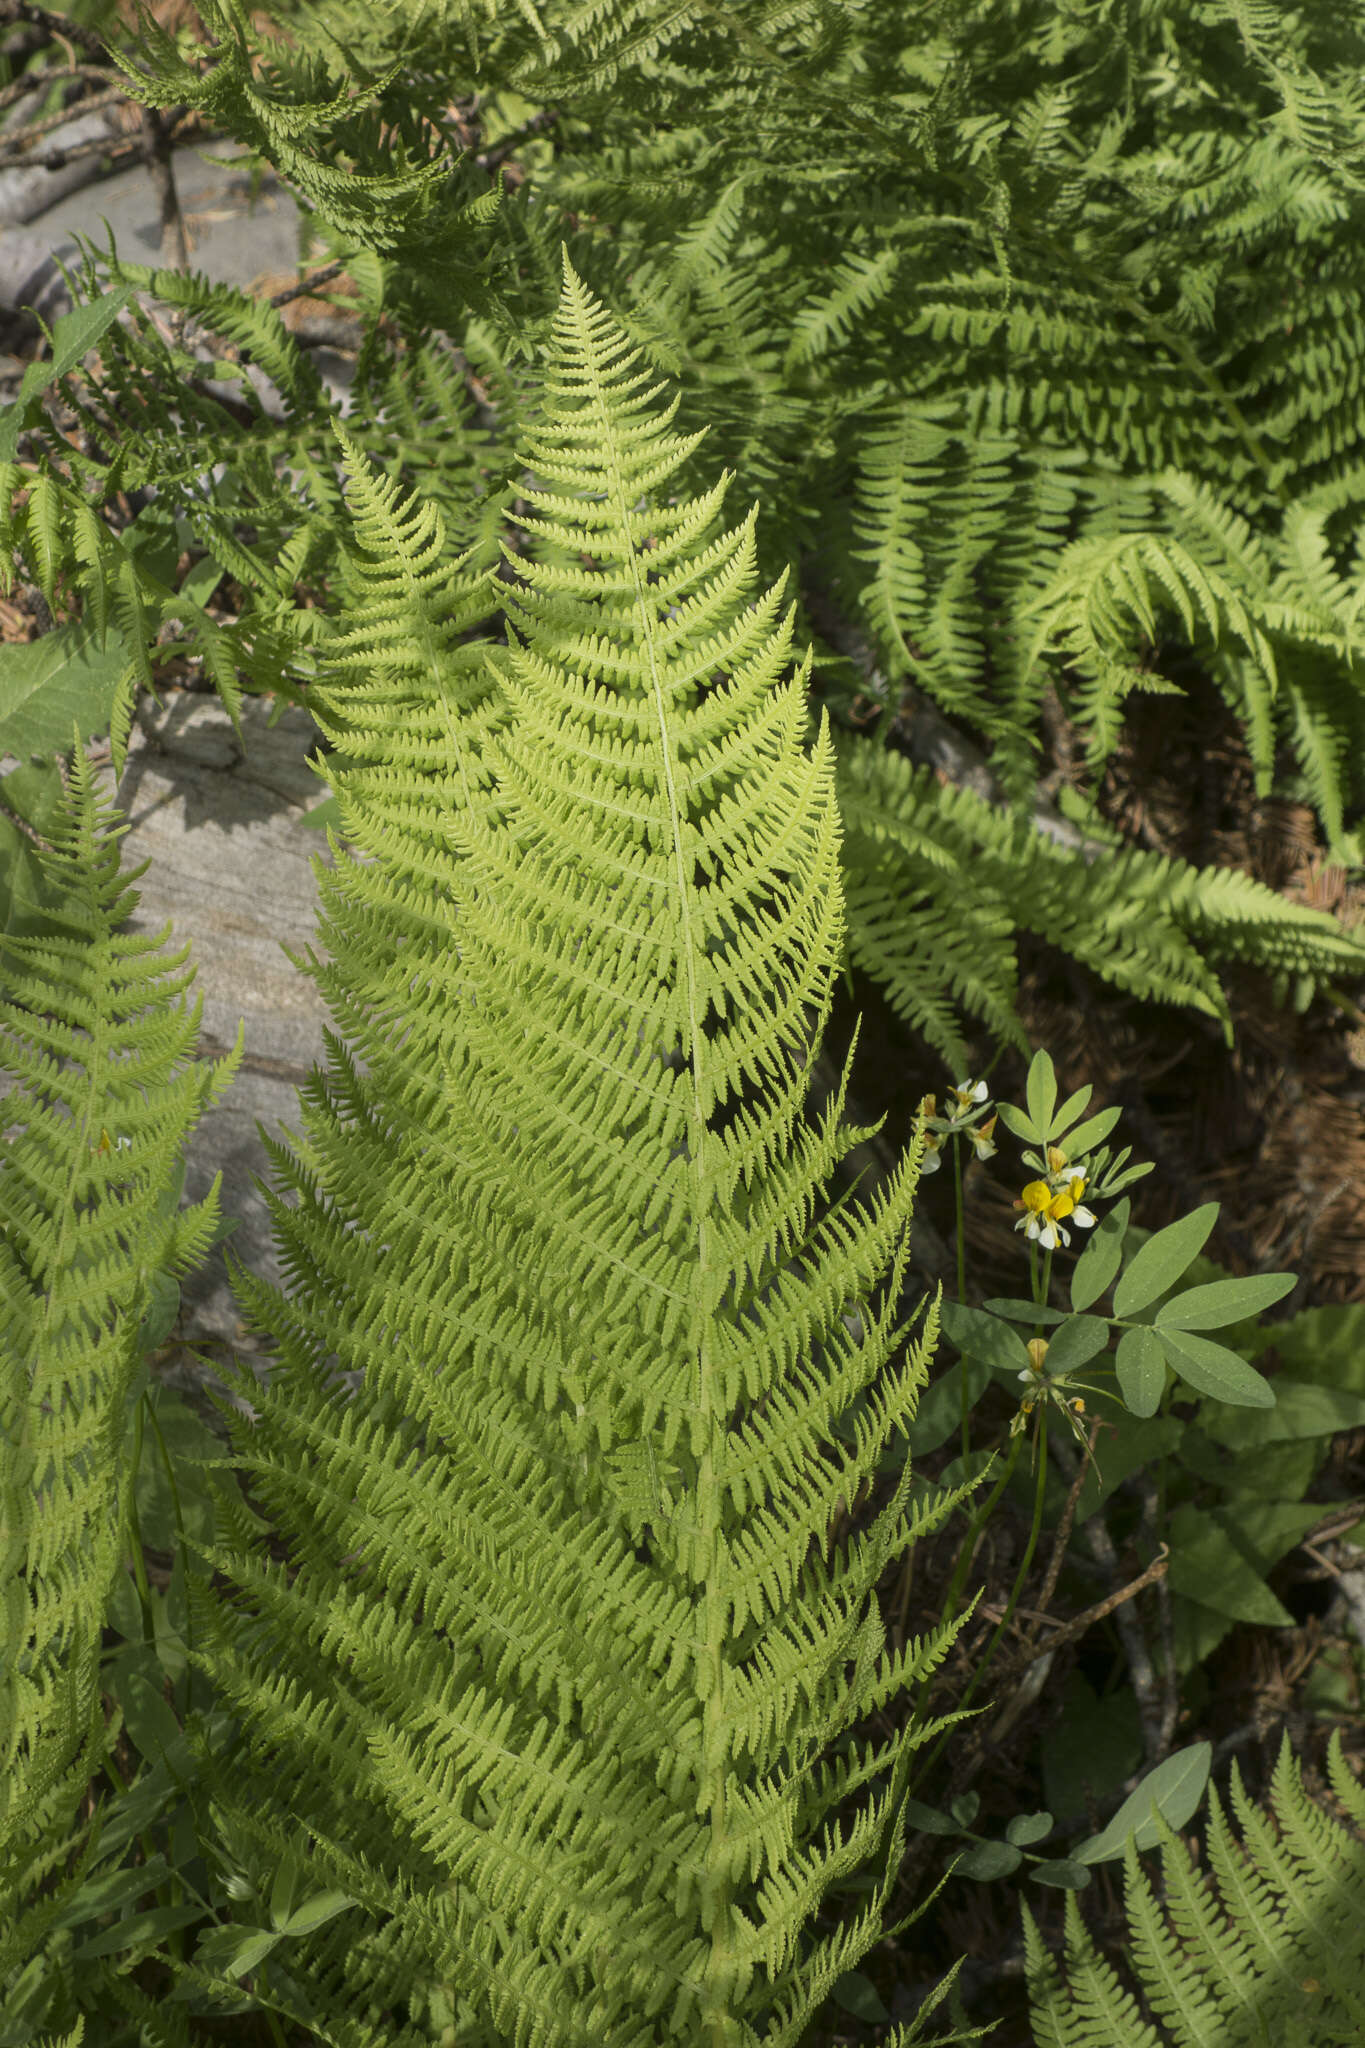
point(1047, 1209)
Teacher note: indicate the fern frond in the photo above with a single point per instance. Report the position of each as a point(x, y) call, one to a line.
point(939, 881)
point(561, 1647)
point(98, 1041)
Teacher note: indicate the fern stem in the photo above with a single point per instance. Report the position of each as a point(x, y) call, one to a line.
point(719, 2026)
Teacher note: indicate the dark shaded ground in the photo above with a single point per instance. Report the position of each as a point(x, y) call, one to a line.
point(1273, 1129)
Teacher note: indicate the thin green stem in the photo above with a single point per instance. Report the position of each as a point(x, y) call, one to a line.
point(962, 1294)
point(1016, 1589)
point(1025, 1564)
point(978, 1522)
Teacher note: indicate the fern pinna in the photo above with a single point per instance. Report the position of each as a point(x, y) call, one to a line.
point(553, 1653)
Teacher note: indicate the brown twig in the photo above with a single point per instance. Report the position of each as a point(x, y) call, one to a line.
point(1030, 1667)
point(306, 286)
point(1067, 1631)
point(38, 81)
point(118, 148)
point(57, 25)
point(157, 128)
point(490, 159)
point(15, 140)
point(1140, 1668)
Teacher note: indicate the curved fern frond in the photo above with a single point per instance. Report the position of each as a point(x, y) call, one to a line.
point(561, 1664)
point(1266, 1946)
point(938, 881)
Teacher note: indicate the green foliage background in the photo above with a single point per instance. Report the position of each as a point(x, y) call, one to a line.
point(1036, 334)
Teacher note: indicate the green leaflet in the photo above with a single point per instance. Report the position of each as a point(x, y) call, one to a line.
point(559, 1713)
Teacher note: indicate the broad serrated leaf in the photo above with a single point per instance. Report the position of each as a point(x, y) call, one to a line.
point(73, 337)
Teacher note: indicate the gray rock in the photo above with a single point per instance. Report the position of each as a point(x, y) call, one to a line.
point(27, 190)
point(235, 236)
point(29, 275)
point(231, 870)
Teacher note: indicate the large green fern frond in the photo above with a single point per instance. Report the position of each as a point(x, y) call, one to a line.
point(563, 1671)
point(1265, 1950)
point(98, 1041)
